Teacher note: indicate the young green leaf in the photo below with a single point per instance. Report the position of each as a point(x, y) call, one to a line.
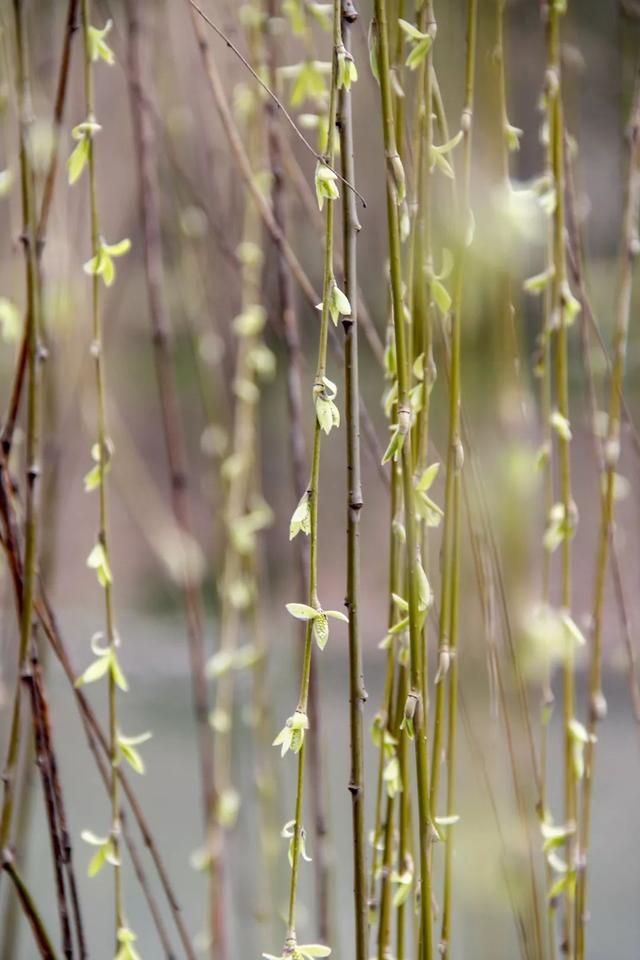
point(302, 611)
point(395, 445)
point(392, 777)
point(561, 425)
point(105, 853)
point(539, 282)
point(441, 296)
point(326, 185)
point(83, 133)
point(102, 263)
point(98, 561)
point(127, 747)
point(292, 734)
point(428, 478)
point(338, 304)
point(418, 54)
point(301, 517)
point(98, 48)
point(512, 136)
point(425, 593)
point(77, 161)
point(126, 951)
point(347, 73)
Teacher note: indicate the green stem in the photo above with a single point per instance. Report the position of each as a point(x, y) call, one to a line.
point(546, 388)
point(611, 451)
point(447, 535)
point(416, 708)
point(559, 287)
point(103, 441)
point(455, 450)
point(386, 903)
point(328, 280)
point(357, 692)
point(384, 716)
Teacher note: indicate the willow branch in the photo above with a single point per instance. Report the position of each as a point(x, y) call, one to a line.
point(31, 911)
point(415, 707)
point(45, 208)
point(357, 692)
point(611, 454)
point(172, 426)
point(25, 117)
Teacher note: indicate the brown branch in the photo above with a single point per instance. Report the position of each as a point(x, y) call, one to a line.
point(96, 738)
point(45, 208)
point(98, 743)
point(28, 904)
point(169, 404)
point(50, 808)
point(50, 760)
point(576, 257)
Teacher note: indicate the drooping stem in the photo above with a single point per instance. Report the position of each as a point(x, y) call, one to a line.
point(312, 491)
point(357, 692)
point(161, 335)
point(57, 854)
point(32, 452)
point(43, 218)
point(396, 714)
point(103, 445)
point(30, 908)
point(547, 451)
point(452, 468)
point(611, 452)
point(455, 450)
point(382, 723)
point(248, 176)
point(97, 739)
point(415, 706)
point(172, 424)
point(560, 294)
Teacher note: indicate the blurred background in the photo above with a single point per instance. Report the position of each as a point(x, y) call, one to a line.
point(203, 210)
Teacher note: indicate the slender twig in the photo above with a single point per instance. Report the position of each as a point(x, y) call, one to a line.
point(240, 503)
point(287, 329)
point(302, 188)
point(97, 739)
point(576, 260)
point(547, 452)
point(560, 304)
point(281, 107)
point(456, 465)
point(102, 462)
point(383, 719)
point(50, 806)
point(357, 692)
point(31, 911)
point(266, 212)
point(611, 451)
point(415, 707)
point(45, 208)
point(396, 715)
point(172, 425)
point(50, 758)
point(33, 415)
point(313, 488)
